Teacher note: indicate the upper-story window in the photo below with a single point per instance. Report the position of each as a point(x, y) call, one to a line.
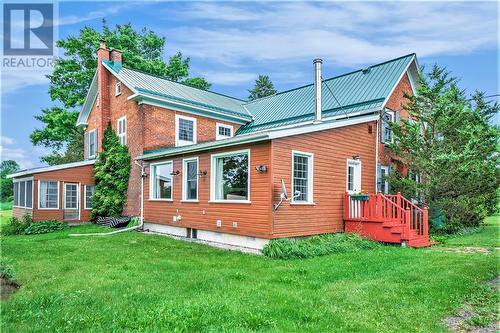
point(91, 144)
point(388, 117)
point(121, 127)
point(118, 88)
point(185, 130)
point(223, 131)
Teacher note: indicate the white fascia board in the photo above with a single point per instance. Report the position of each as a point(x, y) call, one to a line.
point(403, 72)
point(83, 122)
point(50, 168)
point(187, 108)
point(316, 127)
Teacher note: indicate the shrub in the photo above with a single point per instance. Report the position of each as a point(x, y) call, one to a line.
point(6, 271)
point(16, 226)
point(308, 247)
point(44, 227)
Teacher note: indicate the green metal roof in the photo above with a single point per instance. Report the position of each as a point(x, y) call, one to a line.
point(348, 93)
point(175, 91)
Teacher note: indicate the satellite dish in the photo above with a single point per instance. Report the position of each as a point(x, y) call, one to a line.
point(284, 194)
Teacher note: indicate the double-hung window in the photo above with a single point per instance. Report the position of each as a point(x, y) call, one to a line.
point(353, 176)
point(23, 193)
point(118, 88)
point(185, 130)
point(89, 192)
point(91, 143)
point(231, 176)
point(302, 177)
point(388, 117)
point(48, 194)
point(161, 181)
point(223, 131)
point(121, 127)
point(383, 182)
point(190, 179)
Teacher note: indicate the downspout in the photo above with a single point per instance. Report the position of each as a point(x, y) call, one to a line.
point(141, 221)
point(376, 152)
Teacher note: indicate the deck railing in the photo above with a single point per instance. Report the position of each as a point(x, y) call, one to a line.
point(390, 209)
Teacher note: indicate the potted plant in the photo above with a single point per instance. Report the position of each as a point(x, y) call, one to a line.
point(360, 196)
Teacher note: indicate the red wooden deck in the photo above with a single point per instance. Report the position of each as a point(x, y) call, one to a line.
point(387, 218)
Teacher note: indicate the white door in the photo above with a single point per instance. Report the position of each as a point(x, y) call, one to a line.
point(353, 176)
point(71, 201)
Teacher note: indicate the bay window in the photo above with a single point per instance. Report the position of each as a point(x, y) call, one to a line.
point(231, 177)
point(302, 175)
point(161, 181)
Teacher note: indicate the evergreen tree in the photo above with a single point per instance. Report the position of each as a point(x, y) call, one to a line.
point(6, 189)
point(263, 87)
point(112, 172)
point(450, 142)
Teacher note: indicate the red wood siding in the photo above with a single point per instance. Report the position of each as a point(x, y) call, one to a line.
point(331, 149)
point(253, 219)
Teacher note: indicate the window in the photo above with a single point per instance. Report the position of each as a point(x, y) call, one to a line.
point(48, 195)
point(121, 127)
point(70, 196)
point(231, 177)
point(383, 184)
point(89, 192)
point(223, 131)
point(302, 171)
point(23, 193)
point(190, 179)
point(118, 88)
point(161, 181)
point(387, 118)
point(91, 143)
point(353, 176)
point(185, 130)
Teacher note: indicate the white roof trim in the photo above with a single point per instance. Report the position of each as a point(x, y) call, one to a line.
point(262, 136)
point(50, 168)
point(80, 121)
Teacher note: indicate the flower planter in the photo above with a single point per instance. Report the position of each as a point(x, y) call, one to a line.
point(360, 197)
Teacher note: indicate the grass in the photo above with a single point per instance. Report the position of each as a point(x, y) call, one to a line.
point(5, 212)
point(487, 235)
point(137, 282)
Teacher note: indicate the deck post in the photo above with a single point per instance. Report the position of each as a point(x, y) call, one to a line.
point(407, 227)
point(426, 222)
point(380, 209)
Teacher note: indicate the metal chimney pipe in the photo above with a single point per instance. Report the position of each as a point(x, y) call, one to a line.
point(317, 87)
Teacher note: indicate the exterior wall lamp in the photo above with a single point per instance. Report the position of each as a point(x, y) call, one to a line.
point(202, 173)
point(356, 157)
point(261, 168)
point(175, 173)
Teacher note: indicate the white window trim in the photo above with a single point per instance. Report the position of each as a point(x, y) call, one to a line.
point(58, 194)
point(213, 157)
point(358, 178)
point(77, 196)
point(95, 143)
point(183, 142)
point(310, 184)
point(222, 137)
point(118, 88)
point(19, 192)
point(85, 196)
point(384, 182)
point(184, 179)
point(124, 134)
point(151, 181)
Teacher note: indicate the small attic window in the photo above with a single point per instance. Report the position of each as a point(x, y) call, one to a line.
point(118, 88)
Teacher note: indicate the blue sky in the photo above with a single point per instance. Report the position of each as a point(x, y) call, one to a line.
point(230, 43)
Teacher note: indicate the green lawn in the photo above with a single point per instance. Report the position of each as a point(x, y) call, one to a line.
point(138, 282)
point(488, 236)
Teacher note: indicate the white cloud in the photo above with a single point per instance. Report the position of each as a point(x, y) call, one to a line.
point(95, 14)
point(22, 157)
point(13, 81)
point(347, 33)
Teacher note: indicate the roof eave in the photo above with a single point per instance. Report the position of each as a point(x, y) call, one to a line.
point(51, 168)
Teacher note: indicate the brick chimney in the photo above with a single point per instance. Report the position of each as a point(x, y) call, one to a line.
point(103, 84)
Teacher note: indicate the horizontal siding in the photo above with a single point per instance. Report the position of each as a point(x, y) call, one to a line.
point(253, 219)
point(83, 175)
point(331, 149)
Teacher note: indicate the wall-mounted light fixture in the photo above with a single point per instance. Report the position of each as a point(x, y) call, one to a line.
point(202, 173)
point(175, 173)
point(261, 168)
point(356, 157)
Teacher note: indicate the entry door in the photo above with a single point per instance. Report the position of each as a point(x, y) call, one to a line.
point(71, 201)
point(353, 175)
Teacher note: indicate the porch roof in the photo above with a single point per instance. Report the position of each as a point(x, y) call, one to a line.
point(32, 171)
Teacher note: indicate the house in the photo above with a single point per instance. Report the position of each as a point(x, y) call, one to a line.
point(213, 167)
